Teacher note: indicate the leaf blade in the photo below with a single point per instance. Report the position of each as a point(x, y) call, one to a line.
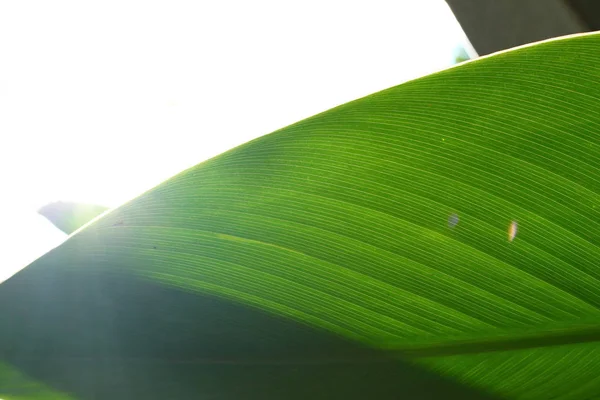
point(340, 221)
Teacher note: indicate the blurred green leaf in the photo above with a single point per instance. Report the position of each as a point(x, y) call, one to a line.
point(15, 386)
point(446, 226)
point(69, 216)
point(460, 55)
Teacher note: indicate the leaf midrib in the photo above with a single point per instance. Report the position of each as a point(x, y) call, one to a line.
point(484, 344)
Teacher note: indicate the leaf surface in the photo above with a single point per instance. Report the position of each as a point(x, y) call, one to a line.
point(450, 223)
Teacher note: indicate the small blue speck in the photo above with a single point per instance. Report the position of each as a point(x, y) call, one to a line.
point(452, 220)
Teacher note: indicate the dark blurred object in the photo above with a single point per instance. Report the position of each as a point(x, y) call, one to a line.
point(494, 25)
point(588, 11)
point(68, 217)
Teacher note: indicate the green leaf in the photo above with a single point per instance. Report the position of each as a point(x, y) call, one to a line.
point(15, 386)
point(69, 216)
point(446, 226)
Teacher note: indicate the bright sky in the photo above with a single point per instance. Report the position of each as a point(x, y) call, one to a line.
point(100, 101)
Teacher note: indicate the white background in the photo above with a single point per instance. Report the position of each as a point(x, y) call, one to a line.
point(100, 101)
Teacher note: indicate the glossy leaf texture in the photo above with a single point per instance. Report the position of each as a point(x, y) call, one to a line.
point(451, 223)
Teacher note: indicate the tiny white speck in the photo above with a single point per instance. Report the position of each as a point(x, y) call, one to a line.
point(512, 231)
